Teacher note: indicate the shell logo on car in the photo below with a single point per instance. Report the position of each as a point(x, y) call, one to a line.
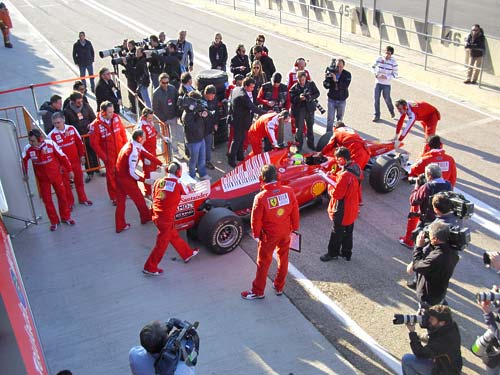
point(318, 188)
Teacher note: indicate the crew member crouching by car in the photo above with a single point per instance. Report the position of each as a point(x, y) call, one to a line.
point(266, 129)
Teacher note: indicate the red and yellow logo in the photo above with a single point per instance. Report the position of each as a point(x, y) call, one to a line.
point(318, 188)
point(273, 201)
point(280, 212)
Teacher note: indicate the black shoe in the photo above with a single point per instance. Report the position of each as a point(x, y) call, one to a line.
point(411, 284)
point(393, 115)
point(88, 178)
point(232, 163)
point(376, 119)
point(327, 257)
point(467, 81)
point(209, 165)
point(347, 257)
point(8, 45)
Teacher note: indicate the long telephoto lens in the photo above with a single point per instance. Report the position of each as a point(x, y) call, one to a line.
point(488, 296)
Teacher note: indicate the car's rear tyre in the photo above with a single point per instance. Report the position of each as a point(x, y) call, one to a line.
point(323, 141)
point(221, 230)
point(385, 174)
point(215, 77)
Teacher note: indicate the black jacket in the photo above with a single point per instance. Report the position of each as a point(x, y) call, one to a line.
point(47, 111)
point(81, 123)
point(83, 55)
point(308, 105)
point(141, 72)
point(194, 126)
point(106, 90)
point(218, 56)
point(172, 66)
point(476, 46)
point(213, 116)
point(267, 66)
point(338, 90)
point(434, 266)
point(243, 109)
point(238, 61)
point(443, 347)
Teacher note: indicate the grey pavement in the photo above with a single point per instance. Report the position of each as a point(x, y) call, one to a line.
point(90, 298)
point(371, 287)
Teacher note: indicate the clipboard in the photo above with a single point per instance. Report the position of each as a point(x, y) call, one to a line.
point(296, 241)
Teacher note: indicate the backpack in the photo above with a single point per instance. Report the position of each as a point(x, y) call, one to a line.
point(183, 344)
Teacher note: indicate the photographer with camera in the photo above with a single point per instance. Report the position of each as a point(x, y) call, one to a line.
point(442, 353)
point(128, 61)
point(158, 353)
point(433, 262)
point(337, 81)
point(142, 76)
point(155, 60)
point(273, 96)
point(106, 90)
point(487, 346)
point(172, 65)
point(210, 104)
point(303, 97)
point(193, 120)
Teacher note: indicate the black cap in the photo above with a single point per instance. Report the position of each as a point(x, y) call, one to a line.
point(276, 78)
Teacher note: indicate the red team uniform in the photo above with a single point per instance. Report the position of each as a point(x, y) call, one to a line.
point(49, 163)
point(427, 114)
point(275, 214)
point(70, 142)
point(265, 127)
point(167, 194)
point(126, 182)
point(347, 137)
point(106, 139)
point(151, 135)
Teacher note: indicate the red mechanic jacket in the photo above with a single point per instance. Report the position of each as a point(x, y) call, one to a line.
point(438, 156)
point(107, 139)
point(265, 127)
point(129, 156)
point(47, 160)
point(415, 112)
point(167, 194)
point(275, 211)
point(292, 77)
point(151, 135)
point(69, 141)
point(344, 202)
point(348, 137)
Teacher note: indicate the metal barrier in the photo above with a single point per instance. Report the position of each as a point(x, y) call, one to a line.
point(427, 38)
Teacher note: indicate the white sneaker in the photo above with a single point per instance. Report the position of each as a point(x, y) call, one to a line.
point(195, 253)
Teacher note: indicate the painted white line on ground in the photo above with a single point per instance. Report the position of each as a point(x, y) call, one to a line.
point(345, 319)
point(319, 50)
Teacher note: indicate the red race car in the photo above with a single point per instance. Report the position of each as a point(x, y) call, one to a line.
point(214, 213)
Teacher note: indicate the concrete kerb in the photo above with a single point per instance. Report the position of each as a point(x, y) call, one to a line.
point(364, 55)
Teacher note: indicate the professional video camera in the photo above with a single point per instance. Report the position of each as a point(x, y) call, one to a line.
point(422, 318)
point(182, 344)
point(309, 98)
point(459, 237)
point(330, 71)
point(194, 105)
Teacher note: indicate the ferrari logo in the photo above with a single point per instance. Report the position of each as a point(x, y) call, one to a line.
point(280, 212)
point(273, 202)
point(161, 195)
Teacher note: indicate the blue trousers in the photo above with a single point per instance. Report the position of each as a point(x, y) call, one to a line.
point(197, 158)
point(90, 70)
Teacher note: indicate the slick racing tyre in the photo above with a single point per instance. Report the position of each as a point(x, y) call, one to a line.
point(385, 174)
point(221, 230)
point(323, 141)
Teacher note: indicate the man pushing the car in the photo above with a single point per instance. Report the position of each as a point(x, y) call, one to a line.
point(275, 214)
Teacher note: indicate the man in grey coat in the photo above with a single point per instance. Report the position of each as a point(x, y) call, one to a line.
point(165, 107)
point(186, 48)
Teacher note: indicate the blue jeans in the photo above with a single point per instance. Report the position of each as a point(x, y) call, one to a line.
point(197, 158)
point(334, 106)
point(143, 90)
point(90, 69)
point(209, 139)
point(155, 80)
point(385, 90)
point(412, 365)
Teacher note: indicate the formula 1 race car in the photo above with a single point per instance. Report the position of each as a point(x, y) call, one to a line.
point(214, 213)
point(387, 165)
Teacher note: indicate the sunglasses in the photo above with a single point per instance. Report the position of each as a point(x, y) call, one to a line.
point(256, 67)
point(164, 82)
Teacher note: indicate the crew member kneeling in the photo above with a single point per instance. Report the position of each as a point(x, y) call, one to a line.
point(344, 206)
point(275, 214)
point(166, 197)
point(127, 178)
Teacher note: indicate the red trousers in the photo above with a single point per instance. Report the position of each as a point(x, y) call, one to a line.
point(265, 252)
point(411, 225)
point(110, 166)
point(46, 193)
point(256, 145)
point(147, 169)
point(128, 187)
point(166, 234)
point(430, 124)
point(76, 167)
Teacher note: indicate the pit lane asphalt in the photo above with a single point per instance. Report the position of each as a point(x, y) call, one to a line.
point(371, 287)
